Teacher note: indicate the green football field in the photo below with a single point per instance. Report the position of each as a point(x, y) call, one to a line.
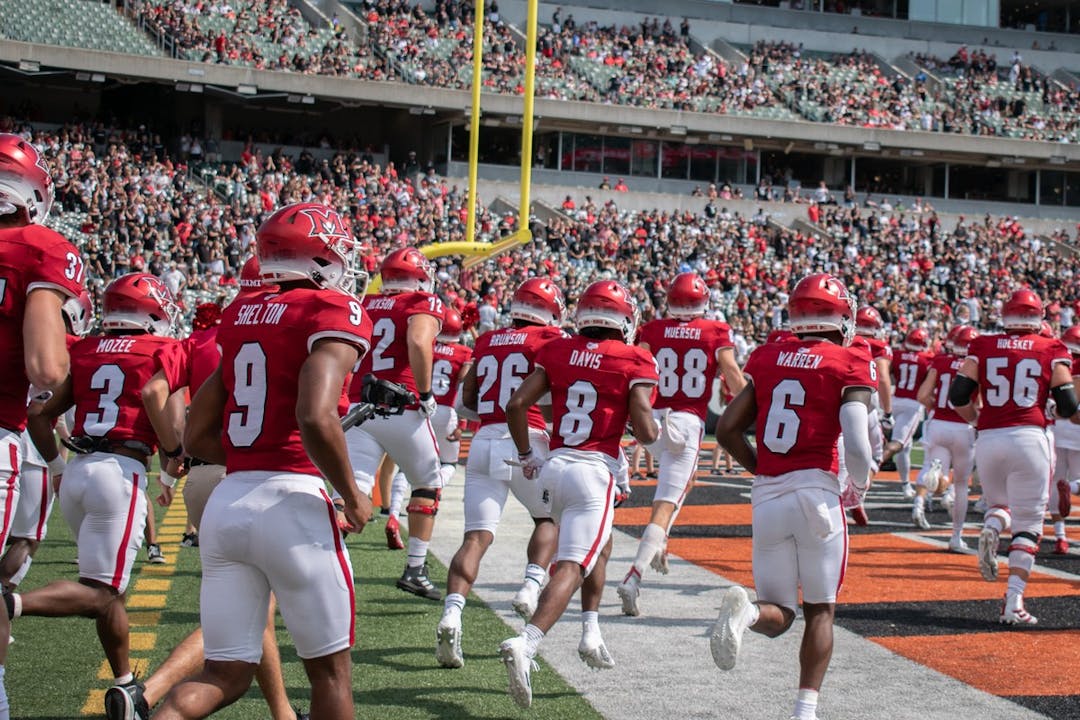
point(56, 668)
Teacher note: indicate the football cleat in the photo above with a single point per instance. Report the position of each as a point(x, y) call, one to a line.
point(393, 533)
point(909, 490)
point(525, 600)
point(1061, 546)
point(859, 516)
point(594, 653)
point(415, 580)
point(957, 545)
point(725, 638)
point(519, 667)
point(918, 519)
point(931, 479)
point(448, 646)
point(1064, 498)
point(949, 500)
point(154, 554)
point(1013, 612)
point(628, 591)
point(659, 561)
point(126, 702)
point(988, 547)
point(190, 540)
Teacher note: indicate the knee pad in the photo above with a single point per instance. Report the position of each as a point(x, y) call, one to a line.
point(432, 494)
point(1024, 542)
point(1002, 514)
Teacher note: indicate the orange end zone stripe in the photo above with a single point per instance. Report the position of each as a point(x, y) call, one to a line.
point(881, 569)
point(690, 515)
point(1002, 663)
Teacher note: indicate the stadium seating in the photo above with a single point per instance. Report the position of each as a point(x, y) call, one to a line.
point(73, 23)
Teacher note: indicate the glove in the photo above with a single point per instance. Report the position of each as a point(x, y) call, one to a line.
point(622, 491)
point(530, 464)
point(427, 404)
point(852, 496)
point(887, 422)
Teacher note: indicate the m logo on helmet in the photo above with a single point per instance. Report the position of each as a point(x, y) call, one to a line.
point(325, 223)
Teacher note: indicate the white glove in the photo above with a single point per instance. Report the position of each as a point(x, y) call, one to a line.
point(427, 404)
point(530, 464)
point(887, 422)
point(852, 496)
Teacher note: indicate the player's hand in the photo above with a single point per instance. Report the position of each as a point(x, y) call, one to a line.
point(530, 464)
point(852, 496)
point(56, 479)
point(177, 467)
point(427, 404)
point(887, 422)
point(455, 435)
point(166, 497)
point(355, 515)
point(622, 491)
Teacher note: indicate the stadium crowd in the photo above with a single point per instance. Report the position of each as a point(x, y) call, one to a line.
point(651, 64)
point(132, 204)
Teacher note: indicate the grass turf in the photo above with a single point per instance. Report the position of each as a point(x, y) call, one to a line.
point(56, 662)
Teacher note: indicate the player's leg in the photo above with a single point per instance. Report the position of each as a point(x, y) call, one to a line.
point(936, 463)
point(545, 534)
point(10, 460)
point(268, 674)
point(907, 414)
point(331, 685)
point(1028, 493)
point(993, 457)
point(201, 481)
point(385, 480)
point(153, 549)
point(445, 422)
point(962, 449)
point(29, 523)
point(592, 650)
point(1059, 492)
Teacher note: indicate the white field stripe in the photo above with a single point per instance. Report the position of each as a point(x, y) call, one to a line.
point(663, 667)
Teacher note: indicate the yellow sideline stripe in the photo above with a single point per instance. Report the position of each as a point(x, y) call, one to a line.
point(147, 594)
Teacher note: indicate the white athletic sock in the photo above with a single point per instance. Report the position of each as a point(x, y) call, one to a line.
point(806, 704)
point(995, 522)
point(124, 679)
point(1016, 585)
point(536, 573)
point(1059, 529)
point(21, 572)
point(4, 708)
point(16, 602)
point(903, 464)
point(453, 605)
point(446, 472)
point(399, 488)
point(960, 507)
point(590, 620)
point(417, 552)
point(920, 503)
point(533, 635)
point(651, 542)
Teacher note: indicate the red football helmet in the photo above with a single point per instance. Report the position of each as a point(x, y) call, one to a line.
point(821, 303)
point(25, 180)
point(1071, 338)
point(539, 301)
point(452, 327)
point(868, 322)
point(309, 241)
point(959, 338)
point(139, 301)
point(78, 313)
point(1022, 311)
point(917, 340)
point(687, 297)
point(1046, 329)
point(608, 304)
point(407, 270)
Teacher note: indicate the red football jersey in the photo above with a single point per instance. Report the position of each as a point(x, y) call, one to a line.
point(191, 361)
point(685, 353)
point(265, 340)
point(908, 372)
point(946, 366)
point(503, 358)
point(878, 348)
point(449, 359)
point(389, 356)
point(31, 257)
point(107, 377)
point(780, 336)
point(798, 386)
point(590, 381)
point(1014, 377)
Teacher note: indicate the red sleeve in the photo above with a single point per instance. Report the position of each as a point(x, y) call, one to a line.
point(859, 372)
point(175, 360)
point(342, 317)
point(423, 303)
point(1059, 353)
point(723, 336)
point(55, 263)
point(644, 368)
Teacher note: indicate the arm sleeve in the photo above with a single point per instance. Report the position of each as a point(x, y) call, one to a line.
point(464, 412)
point(857, 451)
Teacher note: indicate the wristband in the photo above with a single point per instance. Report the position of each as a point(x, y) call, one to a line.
point(57, 465)
point(167, 480)
point(173, 453)
point(426, 395)
point(523, 455)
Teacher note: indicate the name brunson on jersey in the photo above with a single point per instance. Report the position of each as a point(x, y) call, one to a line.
point(269, 314)
point(799, 360)
point(508, 339)
point(1012, 343)
point(586, 359)
point(682, 332)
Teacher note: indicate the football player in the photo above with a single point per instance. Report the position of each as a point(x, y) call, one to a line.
point(502, 359)
point(690, 351)
point(597, 381)
point(1016, 373)
point(871, 328)
point(30, 520)
point(800, 394)
point(39, 271)
point(948, 439)
point(103, 490)
point(407, 318)
point(909, 365)
point(271, 415)
point(1067, 454)
point(452, 363)
point(187, 365)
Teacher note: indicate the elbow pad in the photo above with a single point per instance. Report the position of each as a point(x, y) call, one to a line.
point(961, 390)
point(1065, 398)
